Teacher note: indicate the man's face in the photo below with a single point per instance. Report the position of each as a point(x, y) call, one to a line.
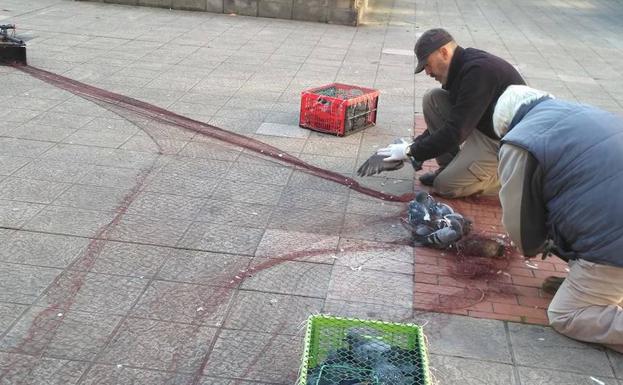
point(437, 65)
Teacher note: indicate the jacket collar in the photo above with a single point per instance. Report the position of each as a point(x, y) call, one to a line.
point(523, 111)
point(455, 66)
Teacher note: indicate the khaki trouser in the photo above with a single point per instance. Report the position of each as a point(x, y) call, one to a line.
point(587, 306)
point(470, 170)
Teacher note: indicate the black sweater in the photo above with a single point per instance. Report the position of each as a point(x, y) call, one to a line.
point(476, 79)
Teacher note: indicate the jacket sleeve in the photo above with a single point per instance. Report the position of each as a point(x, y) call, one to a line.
point(521, 196)
point(475, 94)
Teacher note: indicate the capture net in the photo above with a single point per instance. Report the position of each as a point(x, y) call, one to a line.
point(222, 300)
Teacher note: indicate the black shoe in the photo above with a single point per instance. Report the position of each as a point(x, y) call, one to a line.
point(428, 178)
point(552, 284)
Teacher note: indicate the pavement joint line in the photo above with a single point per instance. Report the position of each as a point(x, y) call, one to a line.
point(511, 350)
point(37, 10)
point(133, 242)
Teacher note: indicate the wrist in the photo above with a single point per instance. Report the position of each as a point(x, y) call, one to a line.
point(408, 151)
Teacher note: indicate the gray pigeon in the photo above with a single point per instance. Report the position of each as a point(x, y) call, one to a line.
point(418, 214)
point(424, 198)
point(389, 374)
point(375, 165)
point(444, 237)
point(441, 209)
point(367, 351)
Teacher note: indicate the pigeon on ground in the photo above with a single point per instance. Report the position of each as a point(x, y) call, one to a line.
point(441, 209)
point(433, 223)
point(418, 214)
point(443, 238)
point(425, 199)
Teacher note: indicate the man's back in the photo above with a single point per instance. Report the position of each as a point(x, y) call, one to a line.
point(477, 71)
point(578, 149)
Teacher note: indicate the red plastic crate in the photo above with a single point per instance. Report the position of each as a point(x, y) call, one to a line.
point(338, 109)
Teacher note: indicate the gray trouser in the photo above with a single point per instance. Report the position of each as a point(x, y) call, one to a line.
point(468, 170)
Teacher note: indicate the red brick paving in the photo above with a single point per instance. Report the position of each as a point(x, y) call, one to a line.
point(510, 290)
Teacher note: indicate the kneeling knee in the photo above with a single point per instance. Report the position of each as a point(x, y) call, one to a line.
point(559, 321)
point(446, 188)
point(431, 97)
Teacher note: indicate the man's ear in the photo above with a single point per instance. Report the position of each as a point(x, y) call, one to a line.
point(445, 52)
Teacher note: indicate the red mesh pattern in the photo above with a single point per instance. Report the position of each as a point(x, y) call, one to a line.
point(338, 109)
point(164, 116)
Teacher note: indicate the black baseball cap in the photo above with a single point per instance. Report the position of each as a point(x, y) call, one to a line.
point(429, 42)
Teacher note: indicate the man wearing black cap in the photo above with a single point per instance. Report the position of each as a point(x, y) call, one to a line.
point(458, 116)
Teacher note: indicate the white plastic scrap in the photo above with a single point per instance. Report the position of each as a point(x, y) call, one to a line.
point(200, 308)
point(598, 381)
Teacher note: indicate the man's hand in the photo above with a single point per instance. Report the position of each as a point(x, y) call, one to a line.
point(395, 151)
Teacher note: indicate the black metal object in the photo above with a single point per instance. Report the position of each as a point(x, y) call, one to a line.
point(12, 50)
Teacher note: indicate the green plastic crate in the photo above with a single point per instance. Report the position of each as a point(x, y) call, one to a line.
point(362, 347)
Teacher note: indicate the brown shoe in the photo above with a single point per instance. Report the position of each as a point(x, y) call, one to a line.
point(551, 284)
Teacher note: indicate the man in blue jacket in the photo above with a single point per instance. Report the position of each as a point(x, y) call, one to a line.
point(458, 115)
point(561, 175)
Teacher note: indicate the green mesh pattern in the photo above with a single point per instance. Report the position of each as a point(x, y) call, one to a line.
point(347, 351)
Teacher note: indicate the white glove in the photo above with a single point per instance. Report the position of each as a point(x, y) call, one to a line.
point(395, 151)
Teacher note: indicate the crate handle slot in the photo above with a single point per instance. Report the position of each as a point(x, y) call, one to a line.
point(323, 101)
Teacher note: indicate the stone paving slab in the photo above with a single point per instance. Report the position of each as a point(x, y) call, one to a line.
point(135, 252)
point(536, 346)
point(448, 369)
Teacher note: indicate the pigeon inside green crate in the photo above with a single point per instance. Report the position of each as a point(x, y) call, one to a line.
point(346, 351)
